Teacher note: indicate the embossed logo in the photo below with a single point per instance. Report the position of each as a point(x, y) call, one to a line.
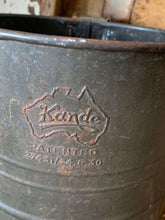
point(60, 112)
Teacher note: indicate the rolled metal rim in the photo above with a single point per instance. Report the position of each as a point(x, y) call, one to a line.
point(81, 43)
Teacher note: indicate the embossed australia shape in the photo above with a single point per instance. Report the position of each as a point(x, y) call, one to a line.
point(60, 112)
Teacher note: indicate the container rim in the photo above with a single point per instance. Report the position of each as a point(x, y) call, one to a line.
point(77, 42)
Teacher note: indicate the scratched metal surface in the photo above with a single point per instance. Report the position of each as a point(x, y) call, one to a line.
point(81, 133)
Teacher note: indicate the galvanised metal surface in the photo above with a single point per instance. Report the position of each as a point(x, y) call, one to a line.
point(82, 126)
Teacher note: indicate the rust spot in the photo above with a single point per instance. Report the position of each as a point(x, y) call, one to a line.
point(89, 195)
point(91, 142)
point(20, 58)
point(43, 83)
point(65, 170)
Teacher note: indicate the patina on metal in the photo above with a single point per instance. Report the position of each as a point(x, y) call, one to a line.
point(82, 120)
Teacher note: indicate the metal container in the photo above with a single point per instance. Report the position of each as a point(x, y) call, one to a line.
point(82, 120)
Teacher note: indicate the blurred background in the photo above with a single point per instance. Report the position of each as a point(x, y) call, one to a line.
point(150, 13)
